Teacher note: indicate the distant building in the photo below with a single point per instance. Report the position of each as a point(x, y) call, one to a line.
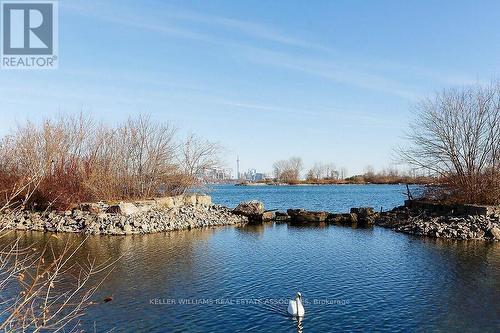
point(218, 174)
point(253, 175)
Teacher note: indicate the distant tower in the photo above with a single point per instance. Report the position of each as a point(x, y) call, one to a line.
point(238, 167)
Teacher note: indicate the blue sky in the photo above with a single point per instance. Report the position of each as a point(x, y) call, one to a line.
point(330, 81)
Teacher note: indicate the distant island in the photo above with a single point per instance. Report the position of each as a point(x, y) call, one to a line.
point(380, 179)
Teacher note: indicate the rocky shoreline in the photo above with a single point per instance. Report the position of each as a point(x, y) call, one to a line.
point(197, 211)
point(441, 222)
point(177, 213)
point(416, 217)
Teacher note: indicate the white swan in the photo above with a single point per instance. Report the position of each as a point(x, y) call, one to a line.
point(295, 307)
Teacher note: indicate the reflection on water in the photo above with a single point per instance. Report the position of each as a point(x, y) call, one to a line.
point(386, 281)
point(256, 231)
point(299, 324)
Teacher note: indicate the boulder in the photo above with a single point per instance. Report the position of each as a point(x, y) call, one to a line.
point(343, 219)
point(494, 233)
point(365, 216)
point(92, 208)
point(166, 202)
point(189, 199)
point(268, 216)
point(249, 208)
point(280, 216)
point(127, 229)
point(203, 200)
point(301, 215)
point(170, 202)
point(182, 200)
point(363, 211)
point(259, 218)
point(123, 208)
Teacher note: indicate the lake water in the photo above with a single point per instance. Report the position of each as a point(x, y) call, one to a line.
point(335, 198)
point(239, 279)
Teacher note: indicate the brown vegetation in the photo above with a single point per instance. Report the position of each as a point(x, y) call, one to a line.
point(456, 136)
point(75, 159)
point(288, 171)
point(389, 177)
point(322, 171)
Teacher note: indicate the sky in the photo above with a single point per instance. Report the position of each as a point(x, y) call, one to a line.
point(329, 81)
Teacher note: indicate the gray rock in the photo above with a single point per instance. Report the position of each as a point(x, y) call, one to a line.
point(123, 208)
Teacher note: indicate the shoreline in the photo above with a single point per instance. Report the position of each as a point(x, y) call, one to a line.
point(127, 218)
point(428, 219)
point(188, 212)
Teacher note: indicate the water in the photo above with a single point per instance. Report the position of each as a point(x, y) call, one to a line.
point(336, 198)
point(238, 279)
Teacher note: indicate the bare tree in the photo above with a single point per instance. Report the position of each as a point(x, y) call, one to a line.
point(288, 170)
point(147, 155)
point(310, 175)
point(48, 289)
point(81, 160)
point(456, 135)
point(322, 170)
point(53, 291)
point(198, 156)
point(369, 171)
point(278, 168)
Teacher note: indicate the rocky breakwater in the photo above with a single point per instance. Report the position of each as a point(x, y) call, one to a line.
point(443, 221)
point(255, 212)
point(158, 215)
point(362, 217)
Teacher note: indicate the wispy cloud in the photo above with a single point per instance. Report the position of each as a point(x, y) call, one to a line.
point(347, 116)
point(336, 71)
point(301, 55)
point(248, 28)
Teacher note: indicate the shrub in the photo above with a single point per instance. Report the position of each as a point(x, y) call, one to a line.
point(456, 136)
point(76, 159)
